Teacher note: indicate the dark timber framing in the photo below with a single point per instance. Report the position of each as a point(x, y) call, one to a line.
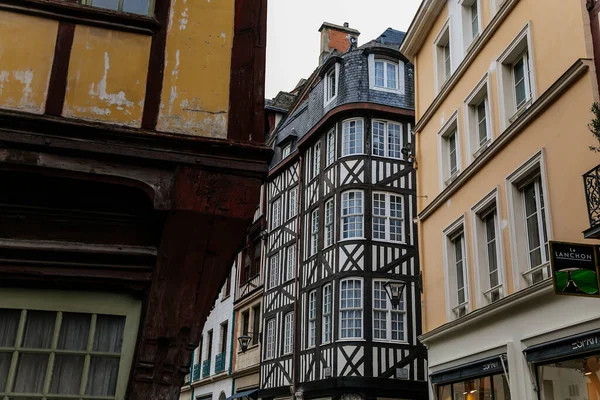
point(60, 68)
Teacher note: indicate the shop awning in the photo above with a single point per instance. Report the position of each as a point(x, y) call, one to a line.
point(247, 393)
point(485, 367)
point(565, 347)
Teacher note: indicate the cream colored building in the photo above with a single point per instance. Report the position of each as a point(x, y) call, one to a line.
point(504, 91)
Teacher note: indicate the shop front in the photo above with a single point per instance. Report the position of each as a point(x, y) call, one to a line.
point(567, 368)
point(481, 380)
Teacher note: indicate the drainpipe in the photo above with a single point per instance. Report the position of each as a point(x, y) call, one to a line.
point(231, 347)
point(296, 283)
point(192, 375)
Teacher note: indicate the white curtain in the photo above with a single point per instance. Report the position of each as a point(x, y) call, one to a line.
point(102, 379)
point(66, 375)
point(9, 323)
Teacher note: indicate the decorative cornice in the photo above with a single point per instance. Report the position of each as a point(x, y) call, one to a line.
point(535, 110)
point(504, 304)
point(420, 26)
point(471, 55)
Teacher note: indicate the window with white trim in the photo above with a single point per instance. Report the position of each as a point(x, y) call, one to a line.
point(470, 21)
point(528, 209)
point(331, 83)
point(314, 232)
point(316, 159)
point(270, 340)
point(388, 322)
point(288, 326)
point(516, 79)
point(56, 344)
point(327, 309)
point(286, 151)
point(386, 139)
point(443, 56)
point(276, 213)
point(312, 318)
point(386, 74)
point(293, 202)
point(478, 118)
point(487, 248)
point(291, 262)
point(458, 245)
point(455, 264)
point(329, 213)
point(351, 308)
point(450, 151)
point(387, 217)
point(330, 148)
point(274, 271)
point(352, 214)
point(352, 139)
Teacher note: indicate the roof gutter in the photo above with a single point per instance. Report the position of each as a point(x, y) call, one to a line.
point(420, 26)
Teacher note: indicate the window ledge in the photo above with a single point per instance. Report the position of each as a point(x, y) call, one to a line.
point(452, 178)
point(85, 15)
point(482, 148)
point(520, 111)
point(328, 102)
point(387, 90)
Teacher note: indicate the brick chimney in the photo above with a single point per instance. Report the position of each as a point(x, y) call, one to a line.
point(335, 37)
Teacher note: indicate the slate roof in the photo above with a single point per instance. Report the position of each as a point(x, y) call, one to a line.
point(353, 87)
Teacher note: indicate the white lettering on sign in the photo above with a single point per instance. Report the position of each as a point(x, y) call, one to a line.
point(580, 344)
point(572, 255)
point(492, 365)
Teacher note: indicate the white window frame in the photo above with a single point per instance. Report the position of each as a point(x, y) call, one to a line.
point(293, 202)
point(351, 309)
point(288, 333)
point(400, 70)
point(450, 234)
point(286, 151)
point(291, 262)
point(330, 156)
point(389, 311)
point(444, 164)
point(102, 303)
point(360, 216)
point(387, 197)
point(480, 94)
point(467, 22)
point(386, 138)
point(489, 204)
point(316, 160)
point(276, 213)
point(327, 314)
point(314, 231)
point(360, 137)
point(521, 44)
point(270, 338)
point(334, 73)
point(442, 41)
point(523, 274)
point(273, 271)
point(329, 223)
point(312, 318)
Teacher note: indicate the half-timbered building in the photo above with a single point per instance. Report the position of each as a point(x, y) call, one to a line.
point(341, 204)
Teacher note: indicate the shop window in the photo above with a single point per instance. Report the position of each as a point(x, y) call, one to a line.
point(493, 387)
point(570, 379)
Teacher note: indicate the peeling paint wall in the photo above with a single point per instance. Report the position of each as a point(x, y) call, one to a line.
point(107, 76)
point(26, 54)
point(195, 96)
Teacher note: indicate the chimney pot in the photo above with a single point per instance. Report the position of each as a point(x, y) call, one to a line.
point(346, 25)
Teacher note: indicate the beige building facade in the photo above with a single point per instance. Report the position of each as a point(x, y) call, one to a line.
point(504, 91)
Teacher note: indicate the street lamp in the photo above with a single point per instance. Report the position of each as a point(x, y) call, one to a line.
point(244, 342)
point(394, 291)
point(408, 153)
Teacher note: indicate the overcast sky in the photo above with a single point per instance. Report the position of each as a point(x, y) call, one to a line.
point(293, 32)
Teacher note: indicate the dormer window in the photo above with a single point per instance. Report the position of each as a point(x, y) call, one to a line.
point(331, 83)
point(386, 73)
point(286, 151)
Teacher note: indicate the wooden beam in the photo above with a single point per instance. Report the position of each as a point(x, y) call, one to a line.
point(57, 87)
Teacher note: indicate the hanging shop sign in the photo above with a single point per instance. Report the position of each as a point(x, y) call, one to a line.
point(574, 269)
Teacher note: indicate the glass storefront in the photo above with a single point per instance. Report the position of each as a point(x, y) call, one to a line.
point(494, 387)
point(575, 379)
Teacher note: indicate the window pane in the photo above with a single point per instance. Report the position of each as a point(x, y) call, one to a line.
point(74, 331)
point(102, 378)
point(482, 124)
point(519, 82)
point(66, 374)
point(445, 392)
point(136, 6)
point(452, 153)
point(474, 19)
point(39, 329)
point(109, 4)
point(378, 138)
point(397, 326)
point(5, 359)
point(379, 73)
point(447, 66)
point(391, 76)
point(9, 323)
point(501, 389)
point(109, 333)
point(394, 147)
point(31, 372)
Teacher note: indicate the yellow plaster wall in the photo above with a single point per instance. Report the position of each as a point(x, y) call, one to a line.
point(565, 141)
point(107, 76)
point(195, 96)
point(26, 56)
